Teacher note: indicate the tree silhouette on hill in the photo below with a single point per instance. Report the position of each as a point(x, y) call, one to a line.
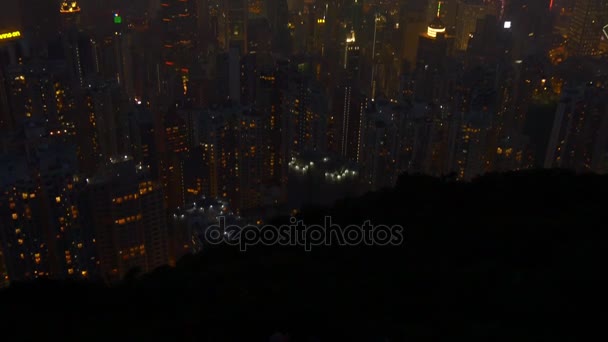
point(513, 256)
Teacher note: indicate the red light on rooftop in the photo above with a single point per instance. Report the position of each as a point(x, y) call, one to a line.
point(169, 63)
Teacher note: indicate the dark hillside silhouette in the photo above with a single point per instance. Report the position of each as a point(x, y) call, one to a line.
point(509, 257)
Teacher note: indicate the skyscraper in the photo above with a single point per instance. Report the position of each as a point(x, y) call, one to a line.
point(70, 13)
point(412, 22)
point(71, 39)
point(41, 230)
point(179, 43)
point(306, 108)
point(585, 31)
point(103, 131)
point(579, 131)
point(278, 16)
point(32, 91)
point(126, 211)
point(381, 143)
point(346, 122)
point(469, 11)
point(236, 25)
point(431, 61)
point(351, 62)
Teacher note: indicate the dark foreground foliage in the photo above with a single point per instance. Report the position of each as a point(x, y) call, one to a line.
point(509, 257)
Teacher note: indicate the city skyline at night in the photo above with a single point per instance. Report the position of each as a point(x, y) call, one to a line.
point(128, 128)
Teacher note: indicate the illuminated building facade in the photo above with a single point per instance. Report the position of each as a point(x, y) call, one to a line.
point(127, 212)
point(173, 151)
point(585, 31)
point(73, 40)
point(24, 237)
point(472, 155)
point(579, 130)
point(70, 13)
point(189, 224)
point(320, 33)
point(251, 153)
point(41, 92)
point(270, 99)
point(43, 234)
point(349, 104)
point(263, 88)
point(244, 167)
point(352, 52)
point(105, 127)
point(111, 57)
point(69, 7)
point(144, 142)
point(307, 112)
point(319, 178)
point(236, 25)
point(345, 123)
point(381, 143)
point(180, 40)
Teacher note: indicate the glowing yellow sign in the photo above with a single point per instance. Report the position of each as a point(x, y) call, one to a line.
point(432, 32)
point(69, 7)
point(606, 31)
point(9, 35)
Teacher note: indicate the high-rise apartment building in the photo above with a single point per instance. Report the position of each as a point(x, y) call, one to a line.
point(585, 31)
point(468, 13)
point(236, 25)
point(42, 232)
point(306, 109)
point(579, 131)
point(103, 130)
point(126, 210)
